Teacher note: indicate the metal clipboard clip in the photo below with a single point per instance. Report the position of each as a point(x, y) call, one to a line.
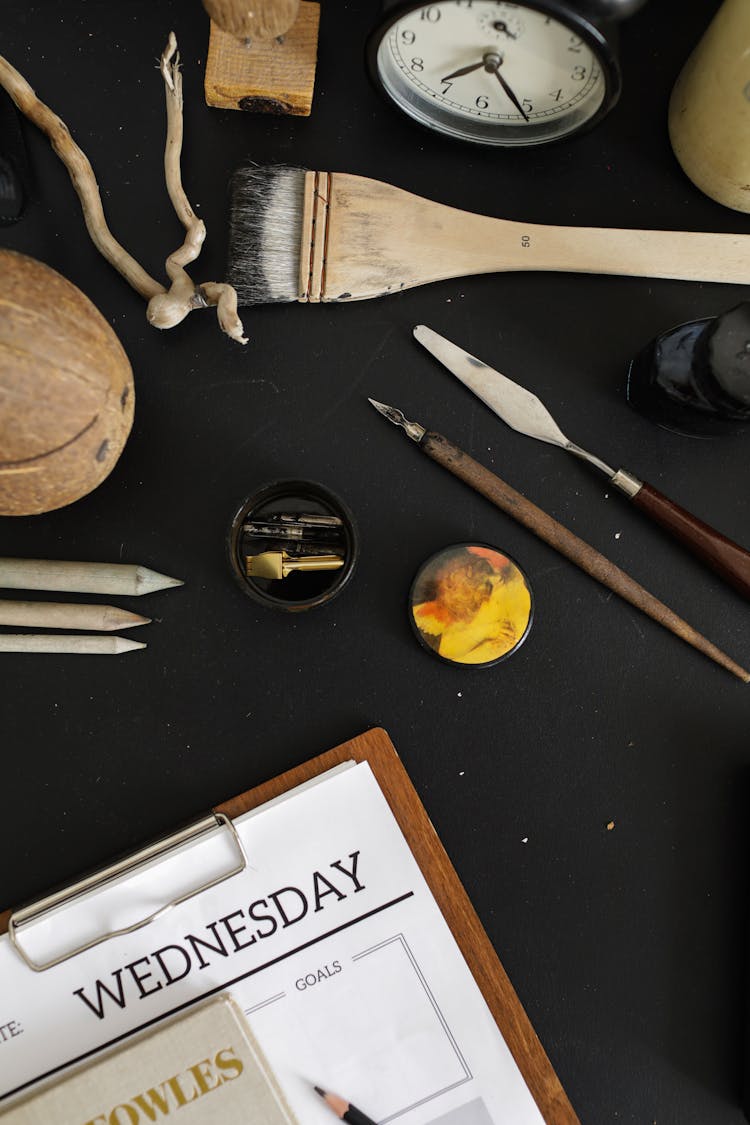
point(25, 915)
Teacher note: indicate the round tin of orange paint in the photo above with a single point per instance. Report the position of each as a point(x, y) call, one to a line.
point(471, 604)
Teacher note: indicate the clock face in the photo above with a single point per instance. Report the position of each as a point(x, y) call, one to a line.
point(491, 71)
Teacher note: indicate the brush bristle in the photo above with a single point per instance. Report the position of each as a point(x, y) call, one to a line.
point(265, 229)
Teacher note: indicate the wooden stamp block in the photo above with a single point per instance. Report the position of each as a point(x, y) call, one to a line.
point(265, 76)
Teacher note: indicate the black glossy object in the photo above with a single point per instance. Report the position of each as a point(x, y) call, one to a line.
point(695, 378)
point(13, 164)
point(300, 590)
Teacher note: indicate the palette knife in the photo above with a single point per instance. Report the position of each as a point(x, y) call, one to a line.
point(524, 412)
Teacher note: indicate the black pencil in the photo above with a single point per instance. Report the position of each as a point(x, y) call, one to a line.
point(344, 1109)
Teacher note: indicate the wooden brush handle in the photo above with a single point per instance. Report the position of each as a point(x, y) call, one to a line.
point(728, 559)
point(566, 543)
point(371, 238)
point(683, 255)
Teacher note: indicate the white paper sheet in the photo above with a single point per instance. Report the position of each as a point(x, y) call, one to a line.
point(330, 942)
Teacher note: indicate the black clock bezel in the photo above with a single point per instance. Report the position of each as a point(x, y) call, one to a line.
point(600, 38)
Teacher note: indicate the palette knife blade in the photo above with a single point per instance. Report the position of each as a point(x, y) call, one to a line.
point(519, 408)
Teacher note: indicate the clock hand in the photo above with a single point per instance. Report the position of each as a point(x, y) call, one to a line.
point(510, 93)
point(491, 63)
point(463, 70)
point(500, 25)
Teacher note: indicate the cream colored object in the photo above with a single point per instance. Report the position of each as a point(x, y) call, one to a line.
point(63, 644)
point(82, 577)
point(204, 1068)
point(709, 112)
point(60, 615)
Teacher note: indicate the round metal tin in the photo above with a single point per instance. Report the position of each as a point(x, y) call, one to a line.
point(471, 604)
point(301, 591)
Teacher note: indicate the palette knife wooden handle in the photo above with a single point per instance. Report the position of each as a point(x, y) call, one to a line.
point(727, 558)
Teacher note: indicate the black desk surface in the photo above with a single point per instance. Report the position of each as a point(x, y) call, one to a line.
point(627, 947)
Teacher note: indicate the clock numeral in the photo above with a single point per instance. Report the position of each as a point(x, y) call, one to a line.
point(527, 105)
point(431, 14)
point(578, 73)
point(575, 44)
point(481, 102)
point(464, 3)
point(417, 64)
point(446, 87)
point(556, 95)
point(408, 37)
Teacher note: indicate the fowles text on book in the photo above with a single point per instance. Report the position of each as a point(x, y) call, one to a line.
point(175, 1092)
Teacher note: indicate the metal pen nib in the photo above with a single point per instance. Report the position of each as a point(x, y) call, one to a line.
point(412, 429)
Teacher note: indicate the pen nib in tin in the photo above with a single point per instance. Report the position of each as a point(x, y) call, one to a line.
point(278, 564)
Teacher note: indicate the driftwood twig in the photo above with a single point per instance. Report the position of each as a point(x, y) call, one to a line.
point(166, 306)
point(82, 175)
point(183, 295)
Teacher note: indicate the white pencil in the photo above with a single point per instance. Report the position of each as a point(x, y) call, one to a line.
point(82, 577)
point(62, 644)
point(59, 615)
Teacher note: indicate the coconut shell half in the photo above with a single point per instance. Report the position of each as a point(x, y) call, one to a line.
point(66, 390)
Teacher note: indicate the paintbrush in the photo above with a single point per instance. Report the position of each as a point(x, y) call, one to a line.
point(514, 504)
point(330, 236)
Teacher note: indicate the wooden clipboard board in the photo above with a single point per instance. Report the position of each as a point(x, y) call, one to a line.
point(376, 748)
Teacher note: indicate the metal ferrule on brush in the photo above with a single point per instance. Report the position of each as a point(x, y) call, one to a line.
point(315, 210)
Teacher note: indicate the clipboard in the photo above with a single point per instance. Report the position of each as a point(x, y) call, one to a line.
point(376, 748)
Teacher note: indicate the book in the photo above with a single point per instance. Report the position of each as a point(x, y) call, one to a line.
point(203, 1067)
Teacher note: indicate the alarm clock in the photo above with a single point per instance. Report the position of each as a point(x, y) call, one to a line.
point(497, 73)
